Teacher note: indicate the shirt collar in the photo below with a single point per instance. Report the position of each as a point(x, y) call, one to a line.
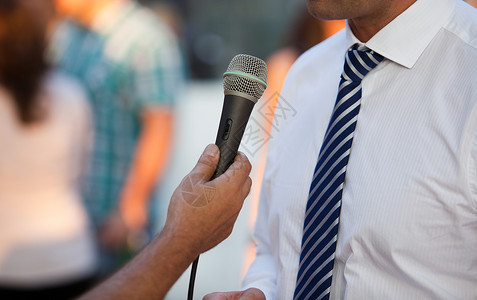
point(406, 37)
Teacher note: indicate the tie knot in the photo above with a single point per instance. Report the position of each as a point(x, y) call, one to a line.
point(359, 62)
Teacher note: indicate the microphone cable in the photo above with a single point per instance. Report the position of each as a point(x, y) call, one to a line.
point(193, 271)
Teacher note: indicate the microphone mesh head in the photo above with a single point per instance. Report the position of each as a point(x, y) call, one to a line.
point(246, 74)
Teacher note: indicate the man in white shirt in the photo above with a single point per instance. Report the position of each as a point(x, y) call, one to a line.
point(408, 221)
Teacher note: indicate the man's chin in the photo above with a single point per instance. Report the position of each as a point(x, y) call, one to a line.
point(324, 9)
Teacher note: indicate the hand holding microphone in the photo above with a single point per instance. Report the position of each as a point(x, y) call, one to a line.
point(201, 214)
point(245, 82)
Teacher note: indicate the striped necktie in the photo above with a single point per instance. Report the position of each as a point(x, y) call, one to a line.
point(320, 229)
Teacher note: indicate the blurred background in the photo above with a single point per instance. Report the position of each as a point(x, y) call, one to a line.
point(151, 74)
point(213, 31)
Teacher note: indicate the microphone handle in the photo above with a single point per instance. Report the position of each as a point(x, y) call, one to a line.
point(235, 114)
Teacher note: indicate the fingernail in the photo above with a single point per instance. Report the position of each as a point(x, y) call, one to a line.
point(211, 150)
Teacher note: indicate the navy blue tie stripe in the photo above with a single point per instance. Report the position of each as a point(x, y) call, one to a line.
point(320, 229)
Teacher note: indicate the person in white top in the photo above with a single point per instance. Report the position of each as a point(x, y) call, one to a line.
point(45, 130)
point(408, 223)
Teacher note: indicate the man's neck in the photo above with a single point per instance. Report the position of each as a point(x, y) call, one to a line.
point(97, 8)
point(364, 28)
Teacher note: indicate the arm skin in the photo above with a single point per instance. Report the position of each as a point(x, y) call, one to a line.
point(152, 153)
point(201, 214)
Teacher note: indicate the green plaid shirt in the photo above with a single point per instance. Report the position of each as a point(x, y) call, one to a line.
point(129, 62)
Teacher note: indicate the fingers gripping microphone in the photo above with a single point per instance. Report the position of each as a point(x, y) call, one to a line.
point(244, 83)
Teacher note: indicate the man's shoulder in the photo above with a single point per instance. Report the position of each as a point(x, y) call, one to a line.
point(150, 36)
point(71, 39)
point(464, 24)
point(148, 25)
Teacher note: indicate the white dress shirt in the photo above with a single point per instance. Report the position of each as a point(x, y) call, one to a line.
point(408, 226)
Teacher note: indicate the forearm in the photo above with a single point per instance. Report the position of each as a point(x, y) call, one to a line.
point(152, 150)
point(151, 156)
point(151, 273)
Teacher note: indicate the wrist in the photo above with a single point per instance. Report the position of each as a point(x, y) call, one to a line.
point(133, 211)
point(134, 194)
point(188, 248)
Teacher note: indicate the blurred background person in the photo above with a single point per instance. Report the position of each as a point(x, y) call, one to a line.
point(129, 62)
point(46, 249)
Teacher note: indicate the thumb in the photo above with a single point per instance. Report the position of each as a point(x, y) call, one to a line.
point(207, 162)
point(223, 296)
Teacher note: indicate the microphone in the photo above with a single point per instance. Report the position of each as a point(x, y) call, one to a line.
point(245, 82)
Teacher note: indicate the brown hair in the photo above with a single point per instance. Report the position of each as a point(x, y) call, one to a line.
point(22, 54)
